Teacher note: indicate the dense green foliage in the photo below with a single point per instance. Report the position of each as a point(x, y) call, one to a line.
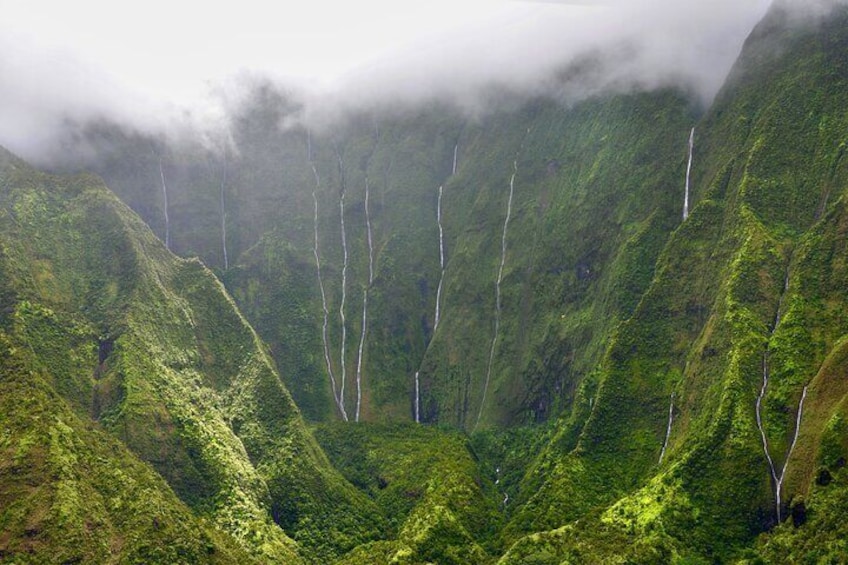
point(747, 286)
point(428, 485)
point(655, 384)
point(70, 492)
point(152, 349)
point(596, 192)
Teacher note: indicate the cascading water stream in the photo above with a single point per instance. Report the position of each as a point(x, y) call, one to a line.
point(359, 355)
point(417, 400)
point(668, 428)
point(315, 250)
point(364, 303)
point(224, 216)
point(165, 195)
point(498, 293)
point(777, 480)
point(437, 315)
point(789, 452)
point(344, 285)
point(455, 150)
point(760, 419)
point(370, 238)
point(688, 174)
point(497, 482)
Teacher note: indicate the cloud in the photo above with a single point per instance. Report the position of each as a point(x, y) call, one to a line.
point(155, 64)
point(640, 44)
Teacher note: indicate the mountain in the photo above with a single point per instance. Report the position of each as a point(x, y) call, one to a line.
point(732, 351)
point(621, 321)
point(117, 352)
point(591, 210)
point(145, 422)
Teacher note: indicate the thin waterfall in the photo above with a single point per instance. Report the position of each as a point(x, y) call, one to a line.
point(779, 483)
point(359, 354)
point(668, 428)
point(224, 216)
point(364, 303)
point(497, 482)
point(498, 293)
point(370, 238)
point(316, 252)
point(417, 400)
point(437, 315)
point(344, 284)
point(760, 419)
point(165, 195)
point(688, 174)
point(455, 149)
point(777, 480)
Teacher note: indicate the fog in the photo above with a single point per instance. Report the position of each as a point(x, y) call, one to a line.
point(157, 66)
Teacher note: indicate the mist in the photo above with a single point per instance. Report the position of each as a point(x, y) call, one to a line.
point(162, 69)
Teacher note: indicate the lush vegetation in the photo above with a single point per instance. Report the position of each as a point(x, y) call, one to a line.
point(150, 349)
point(654, 383)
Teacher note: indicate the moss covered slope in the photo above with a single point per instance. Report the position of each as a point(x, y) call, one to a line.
point(749, 289)
point(151, 348)
point(428, 483)
point(596, 192)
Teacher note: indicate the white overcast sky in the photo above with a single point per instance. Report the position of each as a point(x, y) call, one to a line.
point(145, 63)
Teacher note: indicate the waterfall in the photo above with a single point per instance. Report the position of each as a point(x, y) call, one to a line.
point(224, 216)
point(777, 479)
point(359, 354)
point(165, 195)
point(364, 304)
point(437, 315)
point(417, 400)
point(668, 428)
point(315, 251)
point(688, 174)
point(344, 284)
point(497, 482)
point(370, 239)
point(779, 483)
point(455, 149)
point(760, 419)
point(498, 293)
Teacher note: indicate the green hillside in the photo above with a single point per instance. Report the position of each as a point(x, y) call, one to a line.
point(118, 336)
point(746, 288)
point(597, 189)
point(512, 340)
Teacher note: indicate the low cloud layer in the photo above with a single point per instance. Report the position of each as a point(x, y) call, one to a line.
point(160, 63)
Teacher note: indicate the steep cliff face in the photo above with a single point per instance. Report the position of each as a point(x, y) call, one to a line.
point(113, 329)
point(669, 300)
point(532, 233)
point(710, 423)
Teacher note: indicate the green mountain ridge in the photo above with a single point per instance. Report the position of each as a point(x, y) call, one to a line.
point(608, 382)
point(730, 302)
point(152, 348)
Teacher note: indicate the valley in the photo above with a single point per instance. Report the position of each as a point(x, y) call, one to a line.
point(605, 330)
